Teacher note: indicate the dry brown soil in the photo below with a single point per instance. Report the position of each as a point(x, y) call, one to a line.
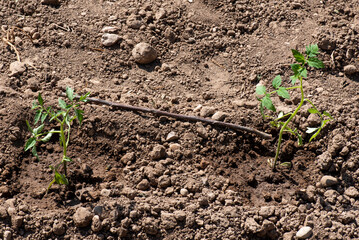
point(212, 182)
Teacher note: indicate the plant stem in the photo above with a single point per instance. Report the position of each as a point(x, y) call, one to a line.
point(64, 145)
point(287, 122)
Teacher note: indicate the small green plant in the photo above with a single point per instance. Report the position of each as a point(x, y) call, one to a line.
point(308, 59)
point(64, 118)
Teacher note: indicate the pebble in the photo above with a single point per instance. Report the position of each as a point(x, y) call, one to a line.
point(7, 235)
point(207, 111)
point(245, 103)
point(58, 228)
point(180, 215)
point(175, 147)
point(96, 225)
point(328, 181)
point(304, 232)
point(219, 116)
point(109, 39)
point(82, 217)
point(3, 213)
point(161, 13)
point(172, 136)
point(350, 69)
point(158, 152)
point(184, 192)
point(168, 220)
point(128, 158)
point(266, 211)
point(164, 181)
point(110, 29)
point(143, 185)
point(17, 68)
point(134, 22)
point(51, 2)
point(352, 192)
point(97, 210)
point(17, 221)
point(144, 53)
point(106, 192)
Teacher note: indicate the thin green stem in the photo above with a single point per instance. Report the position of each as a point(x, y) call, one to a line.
point(64, 145)
point(284, 127)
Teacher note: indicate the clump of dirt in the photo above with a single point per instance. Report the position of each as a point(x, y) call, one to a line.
point(141, 176)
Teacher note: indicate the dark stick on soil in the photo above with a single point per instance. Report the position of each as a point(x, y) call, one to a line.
point(179, 116)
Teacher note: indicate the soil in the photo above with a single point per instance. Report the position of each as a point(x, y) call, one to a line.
point(127, 180)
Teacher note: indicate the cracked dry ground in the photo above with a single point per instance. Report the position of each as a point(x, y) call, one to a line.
point(127, 180)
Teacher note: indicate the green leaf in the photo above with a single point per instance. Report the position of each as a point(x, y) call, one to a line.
point(29, 127)
point(294, 78)
point(70, 93)
point(315, 62)
point(43, 117)
point(295, 67)
point(300, 139)
point(261, 108)
point(283, 92)
point(277, 81)
point(267, 102)
point(83, 98)
point(303, 72)
point(286, 164)
point(298, 56)
point(67, 159)
point(34, 105)
point(313, 110)
point(37, 116)
point(34, 152)
point(62, 103)
point(56, 115)
point(47, 137)
point(39, 98)
point(60, 178)
point(312, 50)
point(328, 115)
point(260, 90)
point(30, 143)
point(311, 130)
point(315, 134)
point(38, 129)
point(79, 115)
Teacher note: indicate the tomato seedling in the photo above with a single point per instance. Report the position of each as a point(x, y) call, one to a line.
point(308, 59)
point(64, 118)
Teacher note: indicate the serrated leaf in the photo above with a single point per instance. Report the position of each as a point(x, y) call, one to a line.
point(267, 102)
point(62, 103)
point(70, 93)
point(312, 110)
point(303, 72)
point(29, 127)
point(37, 116)
point(328, 115)
point(294, 79)
point(67, 159)
point(311, 130)
point(283, 92)
point(295, 67)
point(38, 129)
point(315, 62)
point(260, 90)
point(30, 143)
point(277, 81)
point(83, 98)
point(79, 115)
point(47, 137)
point(312, 50)
point(39, 98)
point(298, 56)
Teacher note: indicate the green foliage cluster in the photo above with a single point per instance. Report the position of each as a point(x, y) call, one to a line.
point(308, 59)
point(65, 117)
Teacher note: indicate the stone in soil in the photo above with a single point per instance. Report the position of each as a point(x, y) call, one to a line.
point(96, 225)
point(51, 2)
point(207, 111)
point(304, 232)
point(109, 39)
point(328, 181)
point(352, 192)
point(144, 53)
point(350, 69)
point(158, 152)
point(168, 220)
point(82, 217)
point(59, 228)
point(17, 68)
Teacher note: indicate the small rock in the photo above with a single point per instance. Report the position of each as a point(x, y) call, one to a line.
point(110, 29)
point(251, 225)
point(180, 215)
point(164, 181)
point(82, 217)
point(203, 201)
point(327, 44)
point(161, 13)
point(172, 136)
point(51, 2)
point(58, 228)
point(350, 69)
point(174, 147)
point(144, 53)
point(168, 220)
point(17, 68)
point(106, 192)
point(219, 116)
point(158, 152)
point(150, 225)
point(128, 158)
point(134, 22)
point(304, 232)
point(313, 120)
point(143, 185)
point(346, 217)
point(245, 103)
point(109, 39)
point(231, 33)
point(3, 213)
point(336, 145)
point(96, 225)
point(328, 181)
point(184, 192)
point(266, 211)
point(201, 130)
point(170, 35)
point(17, 221)
point(207, 111)
point(352, 192)
point(97, 210)
point(7, 235)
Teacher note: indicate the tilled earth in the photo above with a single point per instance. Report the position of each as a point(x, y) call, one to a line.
point(139, 176)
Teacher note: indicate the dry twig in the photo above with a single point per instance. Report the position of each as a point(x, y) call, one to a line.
point(179, 116)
